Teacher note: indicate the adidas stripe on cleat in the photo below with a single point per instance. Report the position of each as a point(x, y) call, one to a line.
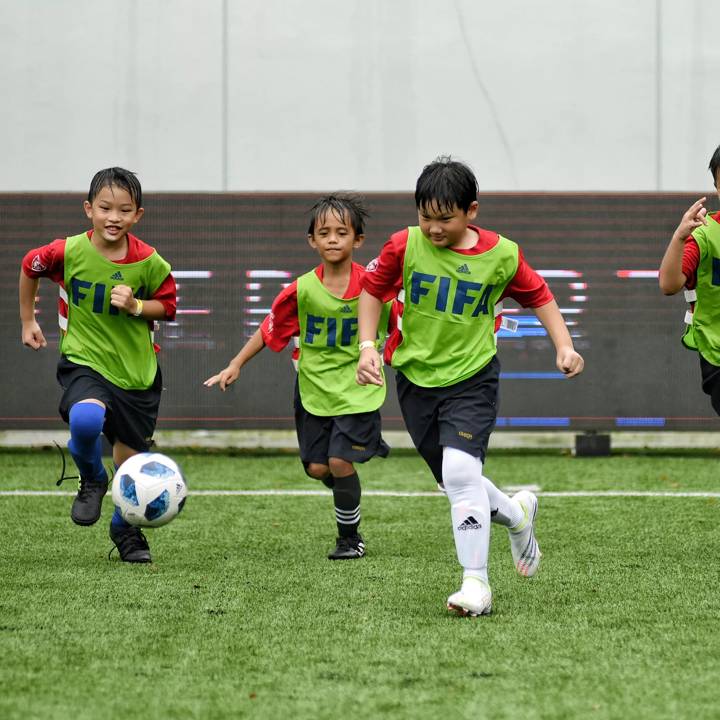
point(472, 600)
point(348, 548)
point(523, 545)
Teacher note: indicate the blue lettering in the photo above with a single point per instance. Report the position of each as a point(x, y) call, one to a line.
point(349, 330)
point(416, 285)
point(482, 306)
point(314, 327)
point(716, 271)
point(76, 286)
point(99, 298)
point(462, 296)
point(332, 331)
point(442, 296)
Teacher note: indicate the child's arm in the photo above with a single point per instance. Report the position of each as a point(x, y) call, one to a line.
point(368, 369)
point(231, 373)
point(671, 277)
point(568, 361)
point(121, 296)
point(32, 335)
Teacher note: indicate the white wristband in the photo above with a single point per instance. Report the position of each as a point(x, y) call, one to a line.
point(365, 344)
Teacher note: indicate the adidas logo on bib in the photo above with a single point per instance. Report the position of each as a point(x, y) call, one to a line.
point(464, 269)
point(116, 276)
point(345, 309)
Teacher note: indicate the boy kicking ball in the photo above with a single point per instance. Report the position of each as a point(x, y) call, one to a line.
point(113, 287)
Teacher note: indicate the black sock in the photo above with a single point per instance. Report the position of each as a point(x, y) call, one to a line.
point(328, 481)
point(346, 494)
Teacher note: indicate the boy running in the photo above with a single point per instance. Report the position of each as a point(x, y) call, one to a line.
point(337, 421)
point(112, 288)
point(692, 260)
point(451, 274)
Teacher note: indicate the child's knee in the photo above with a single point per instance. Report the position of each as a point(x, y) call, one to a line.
point(319, 471)
point(460, 469)
point(340, 468)
point(86, 420)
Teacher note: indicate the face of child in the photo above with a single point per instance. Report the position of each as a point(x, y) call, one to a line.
point(448, 227)
point(113, 213)
point(334, 238)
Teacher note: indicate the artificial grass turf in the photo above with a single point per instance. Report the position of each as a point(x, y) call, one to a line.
point(241, 615)
point(556, 471)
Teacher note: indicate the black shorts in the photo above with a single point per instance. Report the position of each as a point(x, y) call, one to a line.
point(711, 382)
point(354, 438)
point(460, 416)
point(130, 415)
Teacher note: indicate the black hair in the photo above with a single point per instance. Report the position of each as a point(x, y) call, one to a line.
point(339, 204)
point(125, 179)
point(446, 183)
point(715, 164)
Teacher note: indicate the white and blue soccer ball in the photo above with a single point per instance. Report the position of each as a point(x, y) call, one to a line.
point(149, 489)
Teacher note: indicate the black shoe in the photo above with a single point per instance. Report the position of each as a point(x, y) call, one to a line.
point(87, 504)
point(348, 548)
point(131, 544)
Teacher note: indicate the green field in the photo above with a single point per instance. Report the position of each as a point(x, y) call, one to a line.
point(241, 615)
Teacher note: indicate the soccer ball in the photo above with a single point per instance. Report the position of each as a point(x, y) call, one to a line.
point(149, 489)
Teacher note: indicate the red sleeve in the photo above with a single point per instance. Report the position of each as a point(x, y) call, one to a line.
point(46, 261)
point(167, 295)
point(690, 262)
point(384, 276)
point(527, 287)
point(282, 323)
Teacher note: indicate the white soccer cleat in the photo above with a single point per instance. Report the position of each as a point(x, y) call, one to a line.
point(523, 545)
point(472, 599)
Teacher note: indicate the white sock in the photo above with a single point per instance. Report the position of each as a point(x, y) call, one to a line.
point(469, 510)
point(503, 509)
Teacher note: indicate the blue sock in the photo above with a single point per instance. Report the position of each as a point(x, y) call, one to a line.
point(117, 520)
point(86, 424)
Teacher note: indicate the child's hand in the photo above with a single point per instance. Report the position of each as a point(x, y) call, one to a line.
point(569, 362)
point(121, 296)
point(32, 336)
point(368, 369)
point(225, 377)
point(693, 218)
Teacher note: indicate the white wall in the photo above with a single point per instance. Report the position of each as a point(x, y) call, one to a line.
point(268, 95)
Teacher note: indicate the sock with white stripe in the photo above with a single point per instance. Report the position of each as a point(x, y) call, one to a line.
point(469, 510)
point(346, 495)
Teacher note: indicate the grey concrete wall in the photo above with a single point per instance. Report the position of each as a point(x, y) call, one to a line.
point(268, 95)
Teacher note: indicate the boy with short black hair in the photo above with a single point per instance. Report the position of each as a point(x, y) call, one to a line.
point(113, 286)
point(337, 421)
point(692, 261)
point(451, 274)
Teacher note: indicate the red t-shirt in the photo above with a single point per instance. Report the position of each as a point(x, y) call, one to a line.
point(49, 261)
point(691, 258)
point(384, 278)
point(282, 324)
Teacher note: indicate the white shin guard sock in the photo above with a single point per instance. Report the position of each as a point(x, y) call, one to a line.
point(505, 510)
point(469, 510)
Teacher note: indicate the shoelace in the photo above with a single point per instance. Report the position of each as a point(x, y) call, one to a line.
point(132, 539)
point(63, 476)
point(81, 484)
